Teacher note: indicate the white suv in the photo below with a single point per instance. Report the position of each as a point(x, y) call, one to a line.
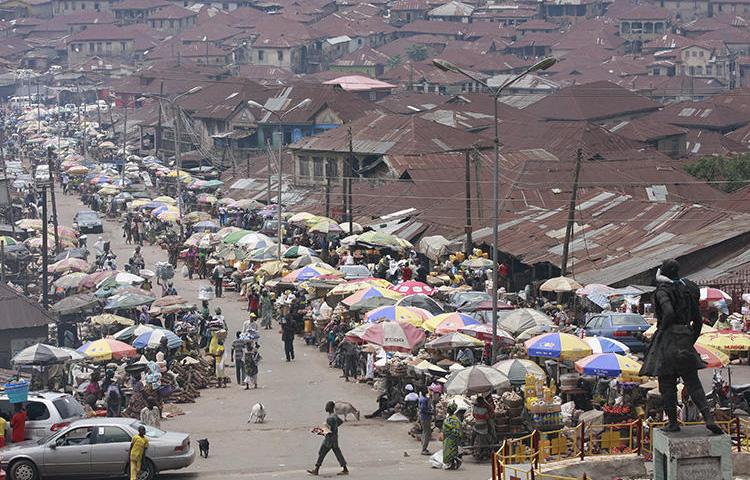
point(47, 412)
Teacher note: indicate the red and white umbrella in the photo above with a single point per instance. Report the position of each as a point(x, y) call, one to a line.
point(710, 294)
point(483, 331)
point(413, 287)
point(393, 336)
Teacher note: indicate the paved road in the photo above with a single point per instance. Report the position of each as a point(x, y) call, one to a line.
point(294, 395)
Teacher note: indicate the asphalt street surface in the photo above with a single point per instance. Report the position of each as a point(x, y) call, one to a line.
point(293, 394)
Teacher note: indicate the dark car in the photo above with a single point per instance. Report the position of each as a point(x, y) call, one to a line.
point(270, 227)
point(624, 327)
point(88, 221)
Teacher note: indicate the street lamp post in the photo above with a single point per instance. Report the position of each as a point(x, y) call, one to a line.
point(495, 92)
point(279, 117)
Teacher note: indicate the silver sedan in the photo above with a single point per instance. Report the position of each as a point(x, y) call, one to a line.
point(95, 447)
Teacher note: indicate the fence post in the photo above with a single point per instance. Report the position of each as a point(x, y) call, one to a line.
point(494, 466)
point(736, 422)
point(535, 447)
point(639, 438)
point(583, 439)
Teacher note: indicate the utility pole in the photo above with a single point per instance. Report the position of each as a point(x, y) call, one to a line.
point(52, 194)
point(280, 139)
point(328, 196)
point(80, 123)
point(38, 109)
point(157, 134)
point(45, 251)
point(268, 170)
point(348, 180)
point(467, 229)
point(571, 214)
point(125, 144)
point(178, 164)
point(10, 217)
point(478, 187)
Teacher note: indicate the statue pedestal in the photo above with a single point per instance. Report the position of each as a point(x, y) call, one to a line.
point(692, 454)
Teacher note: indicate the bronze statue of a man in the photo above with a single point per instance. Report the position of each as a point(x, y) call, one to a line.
point(671, 353)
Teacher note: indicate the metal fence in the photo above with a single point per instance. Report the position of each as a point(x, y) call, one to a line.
point(522, 457)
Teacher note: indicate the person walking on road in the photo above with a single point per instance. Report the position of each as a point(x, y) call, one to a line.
point(266, 309)
point(138, 446)
point(287, 335)
point(217, 275)
point(330, 441)
point(238, 353)
point(425, 420)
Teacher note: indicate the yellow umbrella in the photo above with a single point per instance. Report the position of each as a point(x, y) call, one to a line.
point(273, 268)
point(704, 329)
point(357, 285)
point(197, 216)
point(184, 176)
point(726, 341)
point(312, 220)
point(165, 199)
point(139, 202)
point(301, 217)
point(111, 319)
point(109, 190)
point(169, 216)
point(560, 284)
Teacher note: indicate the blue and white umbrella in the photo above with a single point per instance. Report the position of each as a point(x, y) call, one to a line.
point(153, 339)
point(606, 345)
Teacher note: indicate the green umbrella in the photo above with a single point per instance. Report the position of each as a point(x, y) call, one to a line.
point(127, 300)
point(235, 237)
point(371, 303)
point(380, 239)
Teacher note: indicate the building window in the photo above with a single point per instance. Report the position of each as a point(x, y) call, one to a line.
point(700, 53)
point(91, 47)
point(709, 69)
point(280, 55)
point(317, 168)
point(304, 167)
point(695, 53)
point(261, 55)
point(122, 46)
point(332, 168)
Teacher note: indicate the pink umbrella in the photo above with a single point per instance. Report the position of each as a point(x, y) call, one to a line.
point(413, 288)
point(710, 294)
point(483, 331)
point(394, 336)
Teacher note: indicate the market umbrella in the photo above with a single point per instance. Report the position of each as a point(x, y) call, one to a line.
point(325, 225)
point(40, 354)
point(272, 268)
point(235, 236)
point(255, 240)
point(301, 217)
point(368, 293)
point(560, 284)
point(127, 278)
point(71, 280)
point(7, 241)
point(606, 345)
point(111, 319)
point(169, 215)
point(107, 349)
point(478, 262)
point(352, 286)
point(563, 346)
point(29, 224)
point(247, 204)
point(516, 369)
point(483, 331)
point(454, 340)
point(712, 357)
point(710, 294)
point(705, 328)
point(197, 216)
point(413, 287)
point(381, 239)
point(206, 198)
point(522, 319)
point(394, 336)
point(425, 366)
point(595, 288)
point(127, 300)
point(128, 333)
point(205, 226)
point(69, 265)
point(169, 304)
point(411, 315)
point(449, 322)
point(153, 338)
point(308, 272)
point(297, 251)
point(165, 199)
point(303, 261)
point(608, 365)
point(726, 341)
point(476, 379)
point(371, 304)
point(264, 254)
point(75, 303)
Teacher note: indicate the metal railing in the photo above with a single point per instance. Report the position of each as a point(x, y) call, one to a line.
point(523, 456)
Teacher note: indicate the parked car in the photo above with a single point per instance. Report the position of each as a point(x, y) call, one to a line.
point(624, 327)
point(95, 447)
point(88, 221)
point(47, 412)
point(355, 272)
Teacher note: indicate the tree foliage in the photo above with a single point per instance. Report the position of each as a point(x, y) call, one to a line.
point(395, 61)
point(417, 52)
point(730, 173)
